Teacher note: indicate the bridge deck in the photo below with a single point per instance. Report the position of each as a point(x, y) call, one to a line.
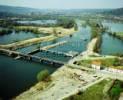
point(30, 57)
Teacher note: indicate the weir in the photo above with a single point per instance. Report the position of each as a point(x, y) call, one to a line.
point(57, 53)
point(53, 52)
point(45, 49)
point(34, 51)
point(16, 55)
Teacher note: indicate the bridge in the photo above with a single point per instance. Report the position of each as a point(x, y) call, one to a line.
point(17, 55)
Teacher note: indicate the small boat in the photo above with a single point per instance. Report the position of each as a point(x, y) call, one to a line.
point(85, 39)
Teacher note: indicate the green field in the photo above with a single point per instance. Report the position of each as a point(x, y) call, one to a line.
point(95, 92)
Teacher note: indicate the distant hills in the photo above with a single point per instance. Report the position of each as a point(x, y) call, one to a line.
point(16, 10)
point(24, 10)
point(118, 12)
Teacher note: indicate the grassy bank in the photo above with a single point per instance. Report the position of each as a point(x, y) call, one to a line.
point(95, 92)
point(114, 62)
point(115, 90)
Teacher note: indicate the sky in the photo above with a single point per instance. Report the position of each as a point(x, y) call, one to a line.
point(64, 4)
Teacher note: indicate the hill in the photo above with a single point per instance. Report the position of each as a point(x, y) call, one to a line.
point(16, 10)
point(117, 12)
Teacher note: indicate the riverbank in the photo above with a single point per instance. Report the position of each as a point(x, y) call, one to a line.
point(66, 81)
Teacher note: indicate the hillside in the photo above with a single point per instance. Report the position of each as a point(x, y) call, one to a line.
point(25, 10)
point(117, 12)
point(16, 10)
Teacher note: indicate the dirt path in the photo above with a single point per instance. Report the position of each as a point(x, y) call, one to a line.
point(90, 48)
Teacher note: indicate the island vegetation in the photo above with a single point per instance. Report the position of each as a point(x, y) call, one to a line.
point(4, 31)
point(97, 30)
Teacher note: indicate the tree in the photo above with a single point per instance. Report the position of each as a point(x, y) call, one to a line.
point(43, 75)
point(55, 32)
point(75, 27)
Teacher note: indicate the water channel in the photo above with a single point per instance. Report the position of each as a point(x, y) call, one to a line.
point(112, 45)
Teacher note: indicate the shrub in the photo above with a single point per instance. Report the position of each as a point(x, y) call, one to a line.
point(116, 90)
point(43, 75)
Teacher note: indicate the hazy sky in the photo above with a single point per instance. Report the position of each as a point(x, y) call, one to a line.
point(64, 4)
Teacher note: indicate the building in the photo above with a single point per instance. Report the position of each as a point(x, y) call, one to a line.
point(96, 64)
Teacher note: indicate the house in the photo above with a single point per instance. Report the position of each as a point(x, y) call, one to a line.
point(96, 64)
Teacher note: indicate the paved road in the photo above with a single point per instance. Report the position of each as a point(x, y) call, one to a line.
point(105, 73)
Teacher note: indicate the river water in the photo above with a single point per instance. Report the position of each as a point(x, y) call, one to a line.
point(113, 26)
point(75, 43)
point(110, 44)
point(17, 76)
point(38, 22)
point(14, 37)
